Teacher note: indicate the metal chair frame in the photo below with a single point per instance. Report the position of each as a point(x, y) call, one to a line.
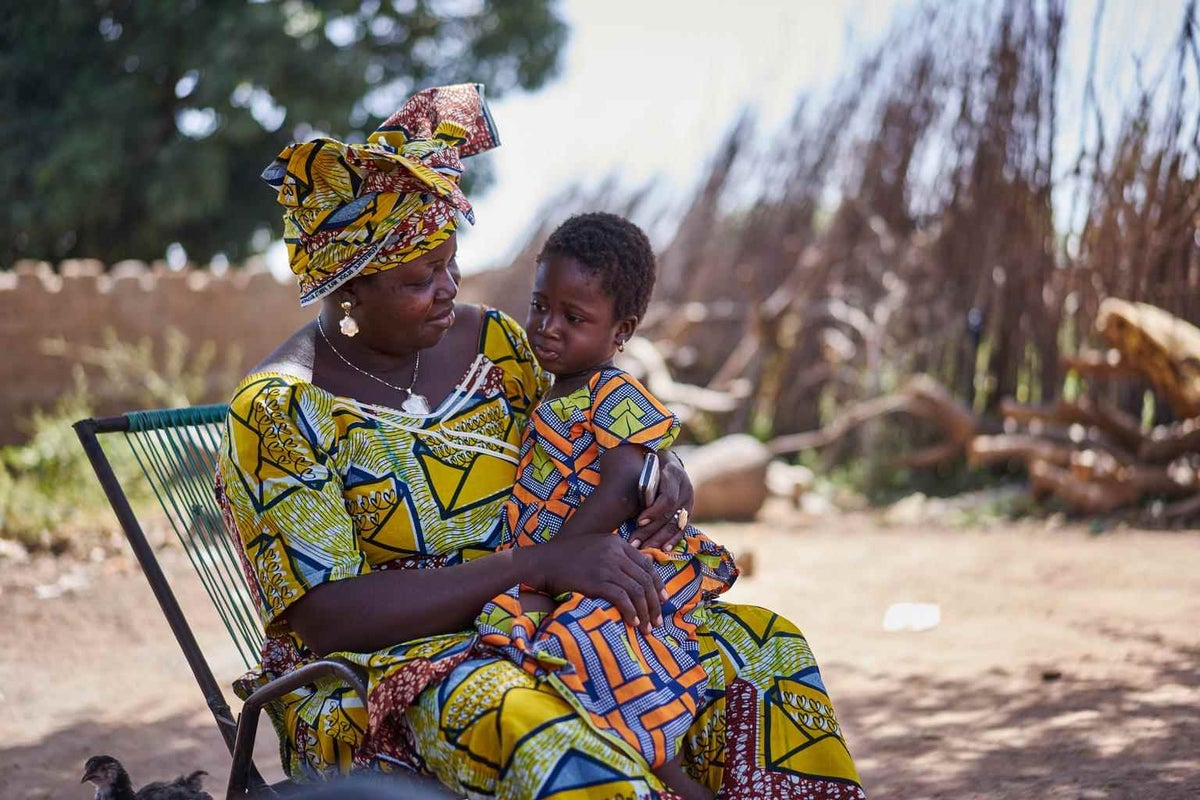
point(238, 732)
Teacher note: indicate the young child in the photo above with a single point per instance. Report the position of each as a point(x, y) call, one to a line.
point(594, 279)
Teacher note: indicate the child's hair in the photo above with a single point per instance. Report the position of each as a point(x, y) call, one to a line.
point(614, 249)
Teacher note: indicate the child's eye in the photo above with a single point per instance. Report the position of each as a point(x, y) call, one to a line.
point(574, 320)
point(537, 305)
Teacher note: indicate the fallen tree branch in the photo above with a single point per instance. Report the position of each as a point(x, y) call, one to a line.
point(1168, 443)
point(657, 377)
point(1161, 346)
point(985, 450)
point(846, 422)
point(1115, 423)
point(931, 456)
point(1104, 366)
point(922, 397)
point(1086, 497)
point(1182, 509)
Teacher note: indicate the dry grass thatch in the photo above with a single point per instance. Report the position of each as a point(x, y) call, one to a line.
point(909, 225)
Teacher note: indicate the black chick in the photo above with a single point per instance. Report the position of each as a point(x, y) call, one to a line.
point(112, 783)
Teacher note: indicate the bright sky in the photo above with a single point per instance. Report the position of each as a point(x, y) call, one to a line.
point(647, 87)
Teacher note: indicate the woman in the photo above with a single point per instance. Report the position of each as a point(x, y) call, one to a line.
point(364, 468)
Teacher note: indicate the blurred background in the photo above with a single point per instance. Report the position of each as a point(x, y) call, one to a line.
point(925, 267)
point(844, 196)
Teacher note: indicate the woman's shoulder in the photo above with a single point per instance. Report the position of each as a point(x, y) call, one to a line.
point(501, 338)
point(292, 360)
point(494, 320)
point(280, 379)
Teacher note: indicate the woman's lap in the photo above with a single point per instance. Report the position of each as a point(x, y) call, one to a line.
point(491, 729)
point(767, 729)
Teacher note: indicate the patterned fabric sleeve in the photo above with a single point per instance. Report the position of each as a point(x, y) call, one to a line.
point(624, 412)
point(283, 494)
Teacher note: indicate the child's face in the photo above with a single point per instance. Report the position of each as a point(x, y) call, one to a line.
point(571, 324)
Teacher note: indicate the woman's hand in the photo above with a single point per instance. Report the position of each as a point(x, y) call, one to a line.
point(657, 526)
point(602, 566)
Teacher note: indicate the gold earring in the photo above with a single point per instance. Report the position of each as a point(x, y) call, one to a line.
point(620, 346)
point(347, 324)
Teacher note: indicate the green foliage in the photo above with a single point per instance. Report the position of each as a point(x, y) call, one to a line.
point(47, 487)
point(125, 126)
point(49, 495)
point(166, 374)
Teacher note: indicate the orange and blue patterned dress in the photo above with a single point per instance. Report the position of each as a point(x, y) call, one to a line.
point(320, 488)
point(645, 690)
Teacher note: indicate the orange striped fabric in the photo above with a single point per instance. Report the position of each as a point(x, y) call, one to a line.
point(642, 690)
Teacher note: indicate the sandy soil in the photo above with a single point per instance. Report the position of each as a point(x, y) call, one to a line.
point(1065, 664)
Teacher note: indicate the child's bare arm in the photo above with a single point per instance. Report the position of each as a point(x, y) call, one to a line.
point(615, 499)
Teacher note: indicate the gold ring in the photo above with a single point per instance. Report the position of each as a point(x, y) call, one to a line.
point(681, 518)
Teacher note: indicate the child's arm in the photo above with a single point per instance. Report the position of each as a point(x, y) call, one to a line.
point(615, 499)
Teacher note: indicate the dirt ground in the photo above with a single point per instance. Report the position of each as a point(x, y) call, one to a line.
point(1064, 665)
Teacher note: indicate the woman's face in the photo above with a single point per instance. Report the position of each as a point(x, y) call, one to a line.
point(410, 306)
point(571, 324)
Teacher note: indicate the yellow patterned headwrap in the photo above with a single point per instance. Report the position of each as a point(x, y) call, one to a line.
point(355, 209)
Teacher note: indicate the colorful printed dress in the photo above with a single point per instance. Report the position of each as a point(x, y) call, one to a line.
point(321, 488)
point(645, 690)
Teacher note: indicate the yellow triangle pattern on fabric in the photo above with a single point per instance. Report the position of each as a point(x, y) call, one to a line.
point(454, 489)
point(564, 407)
point(798, 713)
point(543, 465)
point(627, 418)
point(444, 479)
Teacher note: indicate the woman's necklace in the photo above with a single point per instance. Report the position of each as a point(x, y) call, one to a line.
point(413, 403)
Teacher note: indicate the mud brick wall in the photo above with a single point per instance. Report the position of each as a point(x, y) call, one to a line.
point(247, 308)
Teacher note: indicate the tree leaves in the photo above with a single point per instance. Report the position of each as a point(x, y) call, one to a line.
point(126, 126)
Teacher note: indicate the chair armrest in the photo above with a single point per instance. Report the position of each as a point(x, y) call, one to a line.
point(247, 726)
point(338, 667)
point(247, 723)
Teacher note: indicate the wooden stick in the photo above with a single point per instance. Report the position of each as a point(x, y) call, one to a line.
point(1027, 447)
point(1168, 443)
point(1112, 421)
point(922, 397)
point(932, 456)
point(1105, 366)
point(846, 422)
point(659, 381)
point(1182, 508)
point(936, 404)
point(1161, 481)
point(1083, 496)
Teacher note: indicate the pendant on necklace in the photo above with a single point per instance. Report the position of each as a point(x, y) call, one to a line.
point(415, 404)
